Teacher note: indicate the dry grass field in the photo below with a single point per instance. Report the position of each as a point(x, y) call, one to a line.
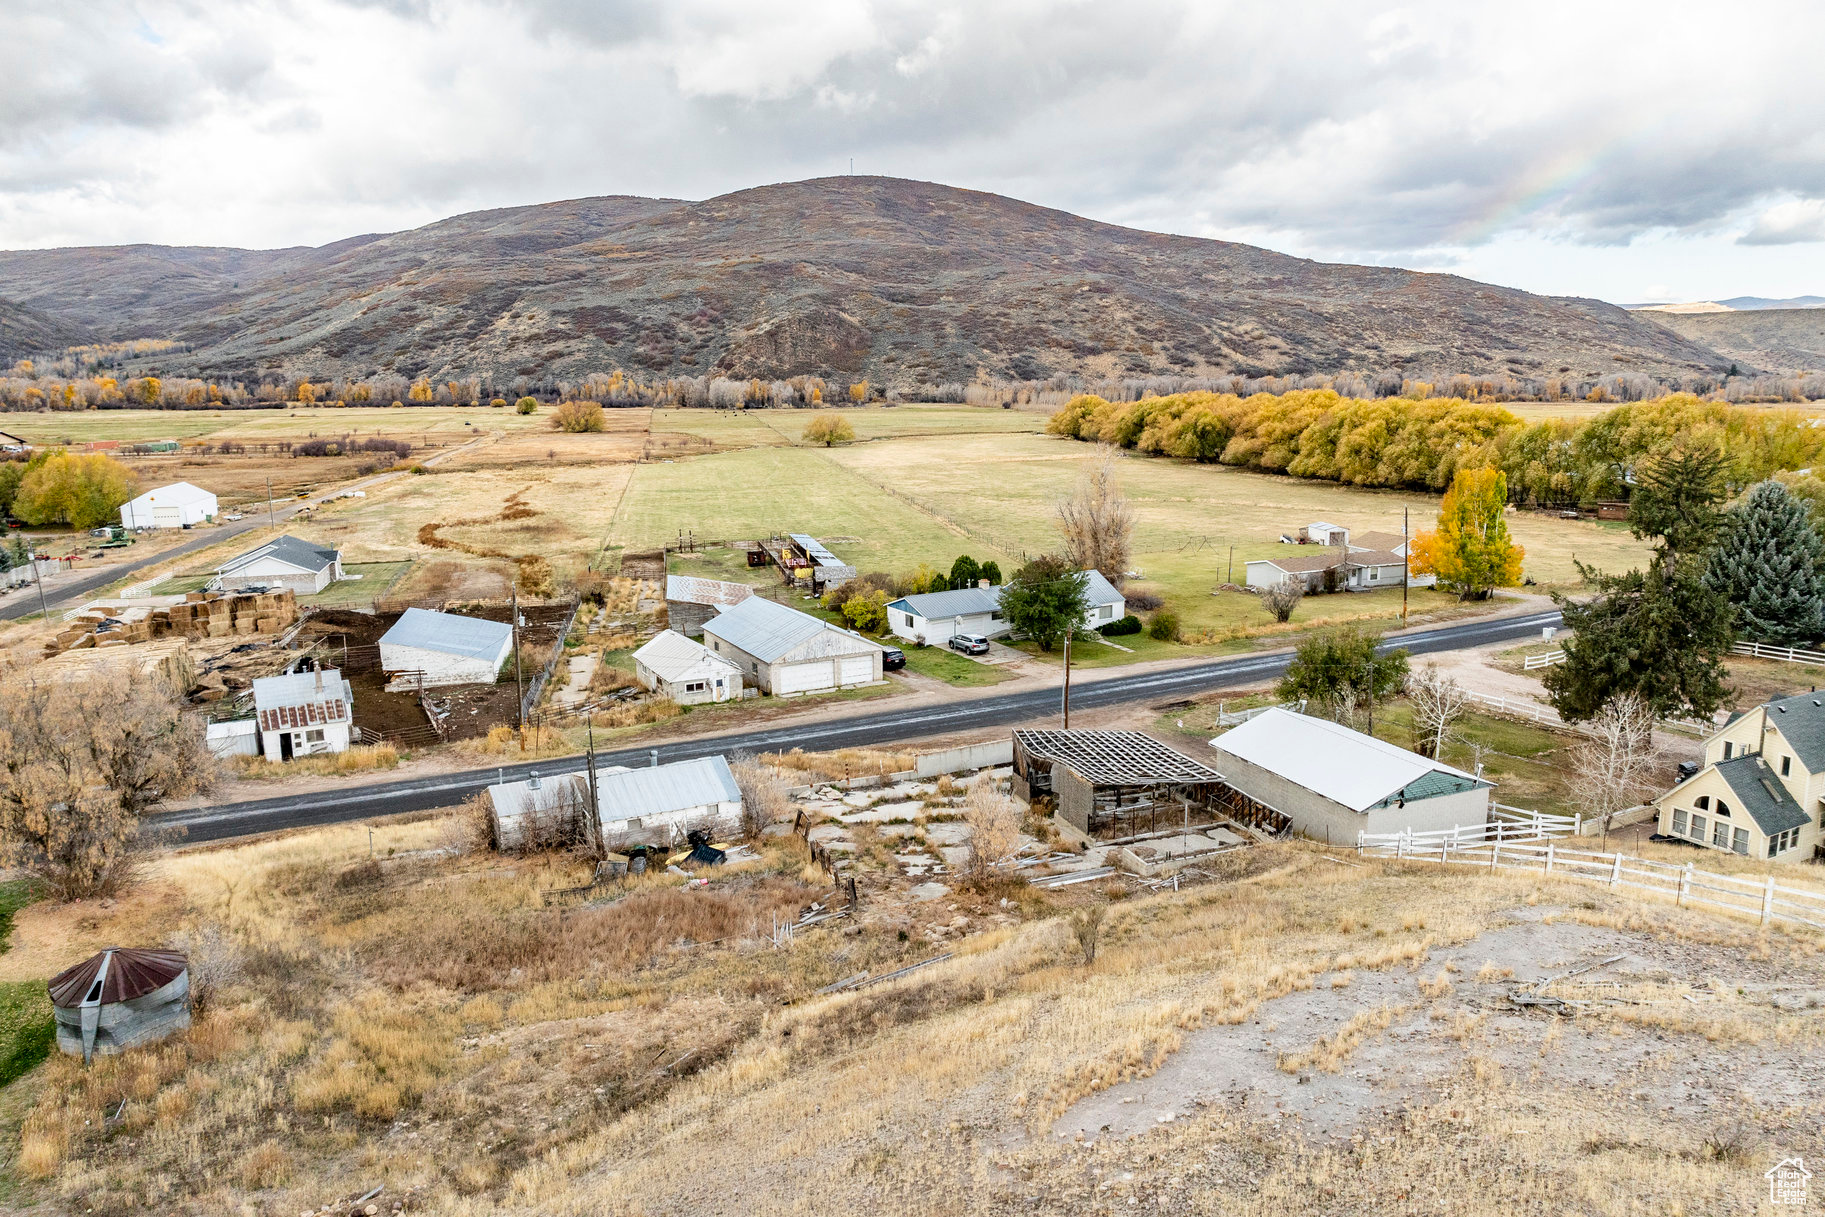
point(1295, 1034)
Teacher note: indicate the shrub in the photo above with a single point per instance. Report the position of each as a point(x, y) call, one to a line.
point(499, 403)
point(828, 430)
point(1126, 625)
point(527, 405)
point(866, 610)
point(579, 416)
point(1164, 627)
point(1143, 602)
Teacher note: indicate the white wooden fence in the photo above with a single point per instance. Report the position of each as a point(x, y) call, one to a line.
point(1763, 650)
point(1545, 659)
point(1546, 716)
point(1761, 898)
point(1505, 824)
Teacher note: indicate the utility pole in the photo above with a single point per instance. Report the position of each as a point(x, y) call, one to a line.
point(593, 831)
point(271, 519)
point(1232, 565)
point(1403, 568)
point(38, 577)
point(519, 687)
point(1066, 701)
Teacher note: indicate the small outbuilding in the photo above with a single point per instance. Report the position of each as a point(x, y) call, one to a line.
point(690, 602)
point(788, 653)
point(687, 672)
point(1334, 783)
point(303, 713)
point(1119, 783)
point(178, 505)
point(284, 561)
point(657, 806)
point(119, 999)
point(445, 648)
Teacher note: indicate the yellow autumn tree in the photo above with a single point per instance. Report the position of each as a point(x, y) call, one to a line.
point(858, 392)
point(1470, 551)
point(307, 392)
point(420, 391)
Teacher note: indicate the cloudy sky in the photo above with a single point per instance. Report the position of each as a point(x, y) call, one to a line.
point(1628, 151)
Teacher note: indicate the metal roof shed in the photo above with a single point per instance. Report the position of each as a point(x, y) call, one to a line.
point(448, 649)
point(1117, 783)
point(120, 998)
point(655, 806)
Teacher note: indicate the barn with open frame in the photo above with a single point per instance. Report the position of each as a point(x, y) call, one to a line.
point(1122, 783)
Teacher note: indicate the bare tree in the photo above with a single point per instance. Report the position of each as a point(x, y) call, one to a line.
point(1438, 701)
point(994, 821)
point(79, 764)
point(1282, 598)
point(763, 795)
point(1086, 927)
point(1097, 523)
point(1615, 764)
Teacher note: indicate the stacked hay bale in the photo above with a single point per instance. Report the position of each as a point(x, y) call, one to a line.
point(201, 615)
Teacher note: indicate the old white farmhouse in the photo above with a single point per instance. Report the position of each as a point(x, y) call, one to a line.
point(303, 713)
point(687, 672)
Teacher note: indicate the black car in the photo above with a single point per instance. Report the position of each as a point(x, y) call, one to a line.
point(970, 644)
point(892, 659)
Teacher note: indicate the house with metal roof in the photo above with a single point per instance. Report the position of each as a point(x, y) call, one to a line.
point(284, 561)
point(788, 653)
point(178, 505)
point(690, 601)
point(445, 648)
point(1761, 792)
point(685, 671)
point(303, 713)
point(1335, 783)
point(659, 805)
point(933, 618)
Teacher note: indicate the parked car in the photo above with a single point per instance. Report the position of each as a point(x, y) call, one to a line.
point(892, 659)
point(970, 644)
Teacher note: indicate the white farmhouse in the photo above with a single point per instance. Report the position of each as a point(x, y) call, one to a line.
point(933, 618)
point(178, 505)
point(659, 805)
point(786, 653)
point(448, 649)
point(303, 713)
point(1334, 783)
point(284, 561)
point(687, 672)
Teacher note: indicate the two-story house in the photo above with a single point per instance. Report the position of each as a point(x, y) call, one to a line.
point(1762, 790)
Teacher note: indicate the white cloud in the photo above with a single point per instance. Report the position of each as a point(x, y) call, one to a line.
point(1429, 133)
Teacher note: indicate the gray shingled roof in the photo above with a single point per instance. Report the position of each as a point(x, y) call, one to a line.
point(958, 603)
point(1761, 794)
point(446, 632)
point(1802, 722)
point(299, 553)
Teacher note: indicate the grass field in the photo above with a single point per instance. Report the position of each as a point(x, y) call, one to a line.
point(26, 1027)
point(288, 423)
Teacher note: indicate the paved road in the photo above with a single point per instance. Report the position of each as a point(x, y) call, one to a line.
point(864, 730)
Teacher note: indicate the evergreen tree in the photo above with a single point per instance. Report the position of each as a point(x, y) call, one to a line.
point(990, 571)
point(1661, 637)
point(964, 572)
point(1770, 566)
point(1676, 502)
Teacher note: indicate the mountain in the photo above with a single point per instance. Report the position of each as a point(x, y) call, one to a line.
point(899, 281)
point(26, 331)
point(1762, 302)
point(1788, 340)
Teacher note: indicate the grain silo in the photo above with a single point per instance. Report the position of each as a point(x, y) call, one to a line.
point(119, 999)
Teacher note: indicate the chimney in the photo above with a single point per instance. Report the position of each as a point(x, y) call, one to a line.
point(983, 583)
point(319, 680)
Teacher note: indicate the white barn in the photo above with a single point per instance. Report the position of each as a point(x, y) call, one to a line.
point(687, 672)
point(1335, 783)
point(787, 653)
point(659, 805)
point(303, 713)
point(448, 649)
point(178, 505)
point(285, 561)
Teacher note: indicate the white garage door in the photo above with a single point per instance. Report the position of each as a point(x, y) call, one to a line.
point(858, 669)
point(801, 677)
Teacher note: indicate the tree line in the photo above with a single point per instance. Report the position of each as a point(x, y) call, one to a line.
point(1423, 444)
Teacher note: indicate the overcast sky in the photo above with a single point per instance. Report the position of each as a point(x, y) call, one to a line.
point(1629, 151)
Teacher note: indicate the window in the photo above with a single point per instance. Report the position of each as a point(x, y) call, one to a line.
point(1774, 846)
point(1704, 802)
point(1723, 808)
point(1742, 842)
point(1726, 750)
point(313, 737)
point(695, 686)
point(1786, 766)
point(1698, 828)
point(1679, 823)
point(1720, 835)
point(1108, 610)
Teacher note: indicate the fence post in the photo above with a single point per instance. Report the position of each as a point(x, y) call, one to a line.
point(1577, 824)
point(1768, 901)
point(1495, 852)
point(1685, 886)
point(1616, 870)
point(1549, 857)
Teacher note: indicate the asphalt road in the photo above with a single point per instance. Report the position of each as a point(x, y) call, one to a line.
point(887, 726)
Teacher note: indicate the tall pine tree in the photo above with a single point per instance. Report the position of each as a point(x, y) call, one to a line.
point(1770, 565)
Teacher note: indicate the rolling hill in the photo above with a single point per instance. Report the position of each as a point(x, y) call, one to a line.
point(1785, 340)
point(900, 281)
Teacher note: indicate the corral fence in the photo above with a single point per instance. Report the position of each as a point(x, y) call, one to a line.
point(1761, 898)
point(1544, 659)
point(1504, 824)
point(558, 655)
point(1763, 650)
point(1546, 716)
point(1235, 718)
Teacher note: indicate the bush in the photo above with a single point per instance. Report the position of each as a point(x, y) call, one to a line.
point(1143, 602)
point(1164, 627)
point(1115, 629)
point(527, 405)
point(499, 403)
point(579, 416)
point(828, 430)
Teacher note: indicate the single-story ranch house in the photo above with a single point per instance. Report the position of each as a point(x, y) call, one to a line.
point(284, 561)
point(933, 618)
